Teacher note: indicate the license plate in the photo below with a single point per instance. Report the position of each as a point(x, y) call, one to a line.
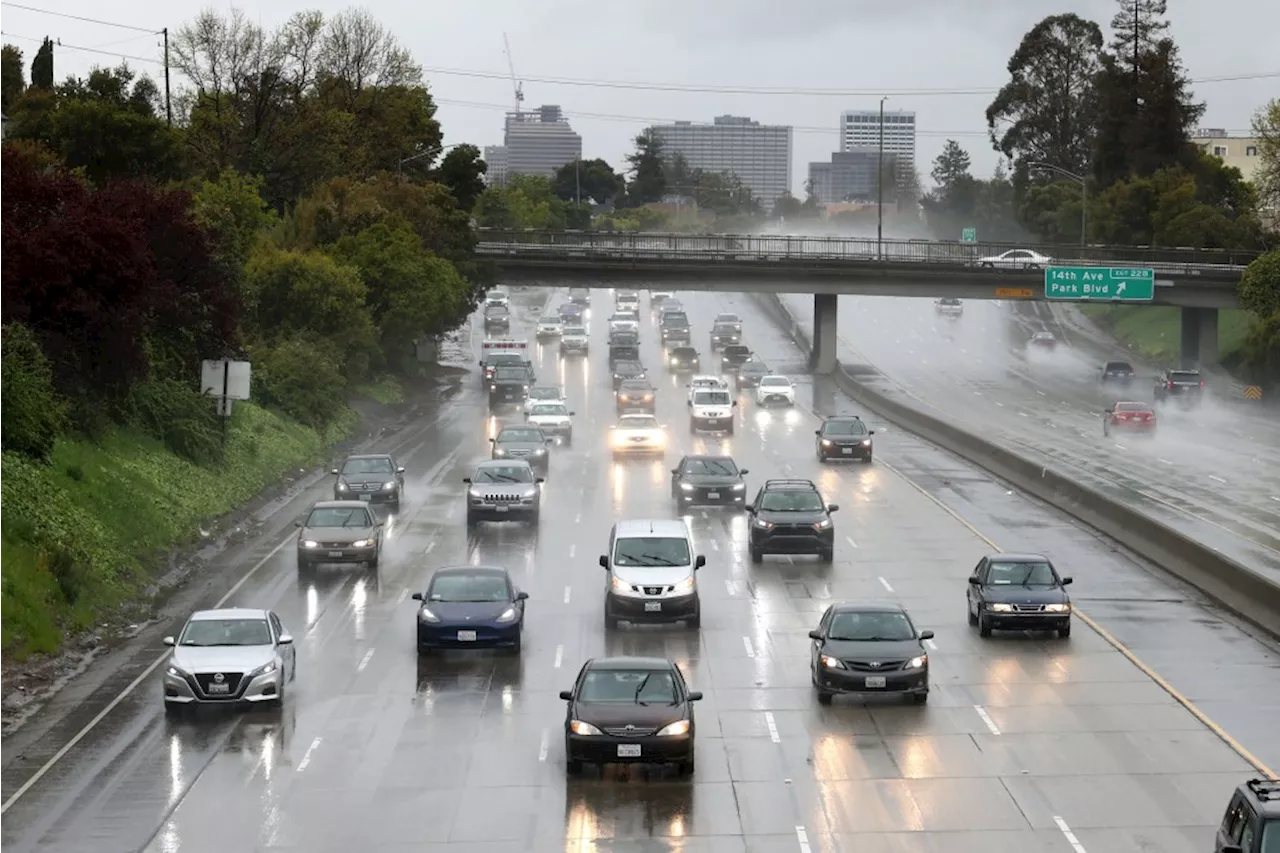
point(847, 451)
point(628, 750)
point(501, 509)
point(219, 688)
point(470, 637)
point(875, 681)
point(652, 607)
point(713, 421)
point(335, 553)
point(713, 495)
point(366, 497)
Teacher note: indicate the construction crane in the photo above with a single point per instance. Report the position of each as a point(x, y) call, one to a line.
point(516, 85)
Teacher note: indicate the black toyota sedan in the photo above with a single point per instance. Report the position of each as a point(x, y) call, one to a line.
point(470, 606)
point(869, 647)
point(702, 480)
point(844, 437)
point(629, 710)
point(750, 373)
point(1018, 592)
point(636, 395)
point(683, 359)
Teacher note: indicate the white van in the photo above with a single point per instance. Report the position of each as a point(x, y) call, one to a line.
point(711, 409)
point(652, 574)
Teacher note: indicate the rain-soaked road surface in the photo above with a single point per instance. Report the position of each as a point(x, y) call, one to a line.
point(1024, 739)
point(1213, 473)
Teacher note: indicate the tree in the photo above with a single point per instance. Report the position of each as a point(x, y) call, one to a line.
point(1046, 110)
point(1138, 28)
point(42, 66)
point(232, 210)
point(787, 206)
point(12, 77)
point(593, 180)
point(1266, 127)
point(34, 416)
point(1260, 285)
point(462, 171)
point(951, 166)
point(648, 181)
point(1173, 207)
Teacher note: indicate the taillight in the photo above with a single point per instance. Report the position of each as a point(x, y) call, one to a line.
point(1169, 385)
point(1201, 383)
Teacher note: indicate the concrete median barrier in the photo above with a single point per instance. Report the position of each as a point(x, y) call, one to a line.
point(1236, 586)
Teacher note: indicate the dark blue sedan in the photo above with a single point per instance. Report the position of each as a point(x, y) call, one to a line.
point(470, 606)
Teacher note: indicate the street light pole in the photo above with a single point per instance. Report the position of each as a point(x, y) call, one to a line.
point(1084, 195)
point(880, 188)
point(431, 153)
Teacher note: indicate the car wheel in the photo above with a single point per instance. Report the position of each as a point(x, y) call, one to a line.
point(920, 698)
point(973, 619)
point(377, 555)
point(869, 458)
point(825, 696)
point(731, 429)
point(1065, 631)
point(610, 621)
point(174, 709)
point(695, 621)
point(471, 520)
point(573, 766)
point(693, 428)
point(984, 626)
point(515, 649)
point(533, 517)
point(757, 556)
point(827, 556)
point(395, 505)
point(685, 768)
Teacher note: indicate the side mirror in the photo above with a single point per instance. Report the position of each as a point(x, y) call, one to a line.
point(817, 432)
point(333, 470)
point(973, 581)
point(1067, 580)
point(286, 639)
point(493, 441)
point(417, 596)
point(871, 432)
point(466, 479)
point(695, 696)
point(297, 524)
point(745, 471)
point(540, 479)
point(400, 470)
point(1109, 411)
point(815, 635)
point(522, 596)
point(699, 562)
point(926, 635)
point(566, 695)
point(573, 414)
point(551, 441)
point(832, 507)
point(1231, 848)
point(604, 561)
point(734, 404)
point(749, 509)
point(168, 641)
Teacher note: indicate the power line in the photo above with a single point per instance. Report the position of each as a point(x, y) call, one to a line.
point(66, 46)
point(97, 21)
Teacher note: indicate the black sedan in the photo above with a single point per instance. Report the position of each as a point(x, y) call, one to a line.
point(844, 437)
point(469, 606)
point(702, 480)
point(636, 395)
point(734, 356)
point(1019, 592)
point(629, 710)
point(625, 370)
point(751, 372)
point(373, 477)
point(683, 360)
point(869, 647)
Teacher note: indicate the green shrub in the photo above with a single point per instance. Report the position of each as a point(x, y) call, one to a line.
point(32, 415)
point(301, 379)
point(178, 415)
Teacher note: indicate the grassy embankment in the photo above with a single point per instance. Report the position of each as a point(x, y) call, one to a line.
point(1153, 333)
point(108, 512)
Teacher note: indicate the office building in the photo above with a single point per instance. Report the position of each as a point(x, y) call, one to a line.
point(851, 177)
point(759, 155)
point(1238, 151)
point(539, 142)
point(495, 157)
point(860, 131)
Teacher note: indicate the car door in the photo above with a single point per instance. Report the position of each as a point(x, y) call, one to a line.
point(287, 652)
point(975, 591)
point(677, 475)
point(815, 646)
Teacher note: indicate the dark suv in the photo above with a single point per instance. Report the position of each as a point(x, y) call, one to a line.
point(1252, 821)
point(1116, 371)
point(844, 437)
point(790, 517)
point(1185, 386)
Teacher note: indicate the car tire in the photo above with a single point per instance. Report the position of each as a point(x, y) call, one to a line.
point(827, 556)
point(685, 768)
point(973, 619)
point(395, 505)
point(1064, 632)
point(610, 621)
point(515, 649)
point(695, 621)
point(174, 709)
point(693, 428)
point(984, 626)
point(377, 555)
point(920, 698)
point(573, 766)
point(824, 696)
point(870, 458)
point(471, 520)
point(757, 556)
point(304, 565)
point(730, 429)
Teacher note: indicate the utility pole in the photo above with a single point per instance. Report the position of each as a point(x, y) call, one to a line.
point(168, 104)
point(880, 188)
point(577, 180)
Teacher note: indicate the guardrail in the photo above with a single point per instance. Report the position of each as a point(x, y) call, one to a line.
point(772, 247)
point(1236, 586)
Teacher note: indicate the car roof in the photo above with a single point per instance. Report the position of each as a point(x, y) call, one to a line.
point(339, 504)
point(1017, 558)
point(1264, 794)
point(502, 463)
point(835, 419)
point(634, 527)
point(873, 605)
point(368, 456)
point(715, 457)
point(630, 663)
point(793, 485)
point(471, 570)
point(228, 613)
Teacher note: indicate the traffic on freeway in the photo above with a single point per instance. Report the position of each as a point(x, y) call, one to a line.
point(827, 664)
point(1034, 378)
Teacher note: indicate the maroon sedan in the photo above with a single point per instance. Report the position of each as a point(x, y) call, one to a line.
point(1129, 417)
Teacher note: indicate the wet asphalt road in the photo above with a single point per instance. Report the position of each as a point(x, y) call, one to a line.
point(1024, 739)
point(1213, 473)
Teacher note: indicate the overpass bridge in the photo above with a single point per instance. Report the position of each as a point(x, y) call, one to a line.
point(1199, 281)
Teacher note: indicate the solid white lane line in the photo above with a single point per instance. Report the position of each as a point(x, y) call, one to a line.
point(1276, 499)
point(1041, 393)
point(715, 546)
point(773, 727)
point(1216, 478)
point(746, 644)
point(986, 718)
point(730, 588)
point(1120, 446)
point(430, 547)
point(1069, 835)
point(403, 594)
point(884, 583)
point(567, 592)
point(1023, 414)
point(577, 519)
point(543, 746)
point(704, 513)
point(931, 645)
point(852, 544)
point(998, 403)
point(559, 656)
point(306, 756)
point(803, 838)
point(1165, 461)
point(364, 661)
point(573, 551)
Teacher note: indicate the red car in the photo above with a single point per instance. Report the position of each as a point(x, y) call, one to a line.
point(1129, 417)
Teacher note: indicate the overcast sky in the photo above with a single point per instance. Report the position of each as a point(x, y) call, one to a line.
point(860, 49)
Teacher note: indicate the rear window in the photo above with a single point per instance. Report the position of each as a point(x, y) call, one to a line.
point(711, 398)
point(844, 428)
point(1185, 376)
point(1132, 407)
point(1119, 365)
point(510, 373)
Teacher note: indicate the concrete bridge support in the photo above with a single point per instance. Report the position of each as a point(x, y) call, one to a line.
point(1199, 337)
point(825, 312)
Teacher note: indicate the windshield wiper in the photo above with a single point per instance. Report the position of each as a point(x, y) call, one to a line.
point(640, 687)
point(502, 478)
point(657, 561)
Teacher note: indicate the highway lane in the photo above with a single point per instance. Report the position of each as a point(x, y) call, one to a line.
point(1214, 473)
point(382, 751)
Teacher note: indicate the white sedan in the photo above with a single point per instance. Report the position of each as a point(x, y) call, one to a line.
point(638, 434)
point(1016, 259)
point(553, 418)
point(542, 394)
point(774, 390)
point(550, 326)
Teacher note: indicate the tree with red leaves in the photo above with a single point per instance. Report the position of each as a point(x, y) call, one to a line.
point(113, 281)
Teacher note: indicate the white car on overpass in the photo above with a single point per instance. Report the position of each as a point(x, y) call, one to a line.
point(1016, 259)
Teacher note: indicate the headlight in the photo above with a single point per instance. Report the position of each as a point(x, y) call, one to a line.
point(580, 728)
point(1000, 608)
point(342, 487)
point(621, 586)
point(1057, 608)
point(866, 442)
point(917, 662)
point(832, 663)
point(362, 543)
point(541, 451)
point(686, 487)
point(648, 396)
point(685, 586)
point(498, 451)
point(427, 616)
point(762, 524)
point(508, 615)
point(680, 727)
point(175, 672)
point(826, 442)
point(822, 525)
point(738, 487)
point(263, 670)
point(390, 484)
point(309, 543)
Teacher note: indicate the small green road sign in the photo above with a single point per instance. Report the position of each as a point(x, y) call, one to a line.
point(1103, 284)
point(969, 235)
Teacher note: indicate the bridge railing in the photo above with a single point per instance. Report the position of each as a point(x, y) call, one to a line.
point(776, 247)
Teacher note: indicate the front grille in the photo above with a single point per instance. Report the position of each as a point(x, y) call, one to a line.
point(204, 679)
point(518, 452)
point(502, 499)
point(792, 529)
point(653, 590)
point(1028, 608)
point(865, 666)
point(335, 545)
point(623, 731)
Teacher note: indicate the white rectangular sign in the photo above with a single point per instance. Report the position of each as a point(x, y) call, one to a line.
point(223, 377)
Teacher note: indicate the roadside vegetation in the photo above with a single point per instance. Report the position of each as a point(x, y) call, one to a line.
point(278, 220)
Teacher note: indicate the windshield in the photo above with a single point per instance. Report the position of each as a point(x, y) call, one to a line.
point(675, 318)
point(1270, 837)
point(549, 409)
point(737, 351)
point(503, 474)
point(482, 586)
point(771, 381)
point(632, 687)
point(368, 466)
point(727, 318)
point(684, 352)
point(1044, 336)
point(496, 309)
point(949, 301)
point(797, 501)
point(629, 367)
point(520, 434)
point(510, 373)
point(870, 625)
point(844, 428)
point(624, 317)
point(711, 398)
point(550, 321)
point(636, 386)
point(338, 517)
point(505, 358)
point(638, 422)
point(1132, 407)
point(724, 329)
point(575, 330)
point(544, 393)
point(226, 632)
point(1021, 574)
point(719, 467)
point(652, 551)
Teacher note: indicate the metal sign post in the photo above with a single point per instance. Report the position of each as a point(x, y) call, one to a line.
point(225, 380)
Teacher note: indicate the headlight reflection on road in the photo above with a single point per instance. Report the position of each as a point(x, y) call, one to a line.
point(619, 478)
point(175, 768)
point(359, 597)
point(313, 605)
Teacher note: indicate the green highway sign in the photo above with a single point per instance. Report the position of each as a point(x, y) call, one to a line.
point(1109, 284)
point(969, 235)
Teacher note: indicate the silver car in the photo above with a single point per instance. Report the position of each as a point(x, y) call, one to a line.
point(339, 532)
point(229, 656)
point(503, 490)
